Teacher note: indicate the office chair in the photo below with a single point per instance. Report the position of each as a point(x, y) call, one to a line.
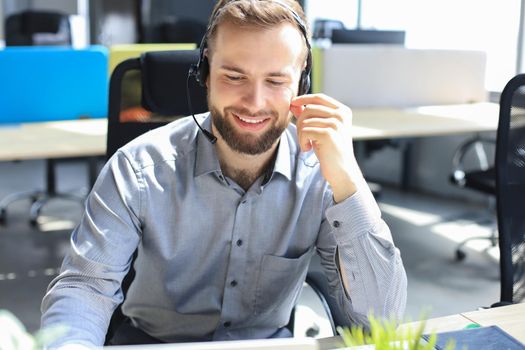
point(163, 92)
point(480, 177)
point(510, 190)
point(159, 78)
point(30, 28)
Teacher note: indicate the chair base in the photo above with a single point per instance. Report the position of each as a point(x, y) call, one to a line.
point(38, 200)
point(460, 254)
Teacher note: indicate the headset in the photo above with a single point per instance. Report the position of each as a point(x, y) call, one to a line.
point(201, 69)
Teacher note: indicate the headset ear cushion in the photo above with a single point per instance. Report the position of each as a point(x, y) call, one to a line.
point(203, 71)
point(304, 85)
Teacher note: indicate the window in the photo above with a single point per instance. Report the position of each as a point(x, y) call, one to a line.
point(487, 25)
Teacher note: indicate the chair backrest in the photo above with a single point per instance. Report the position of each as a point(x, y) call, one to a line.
point(121, 52)
point(53, 83)
point(159, 79)
point(510, 186)
point(29, 28)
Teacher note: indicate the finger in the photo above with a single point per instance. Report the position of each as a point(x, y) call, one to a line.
point(331, 123)
point(317, 136)
point(296, 110)
point(319, 111)
point(320, 99)
point(305, 138)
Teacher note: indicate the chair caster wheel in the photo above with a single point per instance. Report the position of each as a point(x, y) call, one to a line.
point(460, 255)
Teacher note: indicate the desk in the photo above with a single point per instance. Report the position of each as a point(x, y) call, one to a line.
point(509, 318)
point(80, 138)
point(51, 140)
point(382, 123)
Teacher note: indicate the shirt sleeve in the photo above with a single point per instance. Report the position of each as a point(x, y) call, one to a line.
point(88, 288)
point(363, 267)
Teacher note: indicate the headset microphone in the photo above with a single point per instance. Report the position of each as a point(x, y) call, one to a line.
point(209, 135)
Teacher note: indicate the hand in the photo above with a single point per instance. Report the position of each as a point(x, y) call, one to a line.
point(324, 124)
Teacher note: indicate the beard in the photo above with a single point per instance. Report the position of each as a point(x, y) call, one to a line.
point(244, 142)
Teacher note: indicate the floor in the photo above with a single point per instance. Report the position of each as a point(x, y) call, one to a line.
point(425, 229)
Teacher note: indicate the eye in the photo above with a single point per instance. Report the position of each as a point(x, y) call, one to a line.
point(276, 82)
point(234, 78)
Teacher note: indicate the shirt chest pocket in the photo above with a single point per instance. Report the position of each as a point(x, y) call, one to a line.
point(279, 283)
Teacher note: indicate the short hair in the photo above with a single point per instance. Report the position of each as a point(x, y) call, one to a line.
point(256, 13)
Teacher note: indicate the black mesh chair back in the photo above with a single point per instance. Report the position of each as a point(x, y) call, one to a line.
point(30, 28)
point(510, 186)
point(155, 86)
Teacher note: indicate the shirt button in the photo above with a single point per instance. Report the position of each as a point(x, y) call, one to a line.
point(227, 324)
point(337, 223)
point(239, 242)
point(233, 283)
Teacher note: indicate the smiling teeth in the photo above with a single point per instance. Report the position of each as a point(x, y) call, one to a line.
point(251, 121)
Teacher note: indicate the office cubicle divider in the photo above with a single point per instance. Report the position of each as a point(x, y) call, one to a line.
point(53, 83)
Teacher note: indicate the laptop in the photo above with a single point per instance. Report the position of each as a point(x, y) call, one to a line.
point(256, 344)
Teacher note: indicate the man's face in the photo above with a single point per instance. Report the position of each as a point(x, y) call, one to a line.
point(254, 74)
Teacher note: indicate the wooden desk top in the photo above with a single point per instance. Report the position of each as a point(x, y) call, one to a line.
point(76, 138)
point(380, 123)
point(79, 138)
point(509, 318)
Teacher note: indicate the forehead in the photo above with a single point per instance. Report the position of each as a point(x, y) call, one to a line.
point(276, 46)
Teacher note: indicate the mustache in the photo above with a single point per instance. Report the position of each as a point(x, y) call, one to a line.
point(244, 111)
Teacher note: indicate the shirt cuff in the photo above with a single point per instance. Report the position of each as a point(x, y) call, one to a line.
point(353, 217)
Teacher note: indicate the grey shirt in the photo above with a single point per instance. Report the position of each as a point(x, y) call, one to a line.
point(216, 262)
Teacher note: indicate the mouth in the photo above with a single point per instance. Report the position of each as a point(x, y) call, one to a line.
point(251, 123)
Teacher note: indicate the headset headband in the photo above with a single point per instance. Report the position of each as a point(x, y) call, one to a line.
point(201, 69)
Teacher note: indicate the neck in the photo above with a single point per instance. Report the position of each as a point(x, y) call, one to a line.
point(243, 168)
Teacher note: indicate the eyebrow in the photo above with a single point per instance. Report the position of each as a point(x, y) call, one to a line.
point(240, 71)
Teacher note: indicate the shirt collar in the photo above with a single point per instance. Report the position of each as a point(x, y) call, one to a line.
point(208, 162)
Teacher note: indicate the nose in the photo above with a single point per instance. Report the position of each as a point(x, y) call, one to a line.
point(254, 97)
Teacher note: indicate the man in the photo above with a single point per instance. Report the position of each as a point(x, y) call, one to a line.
point(225, 231)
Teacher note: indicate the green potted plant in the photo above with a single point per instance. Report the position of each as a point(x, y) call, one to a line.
point(14, 336)
point(386, 335)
